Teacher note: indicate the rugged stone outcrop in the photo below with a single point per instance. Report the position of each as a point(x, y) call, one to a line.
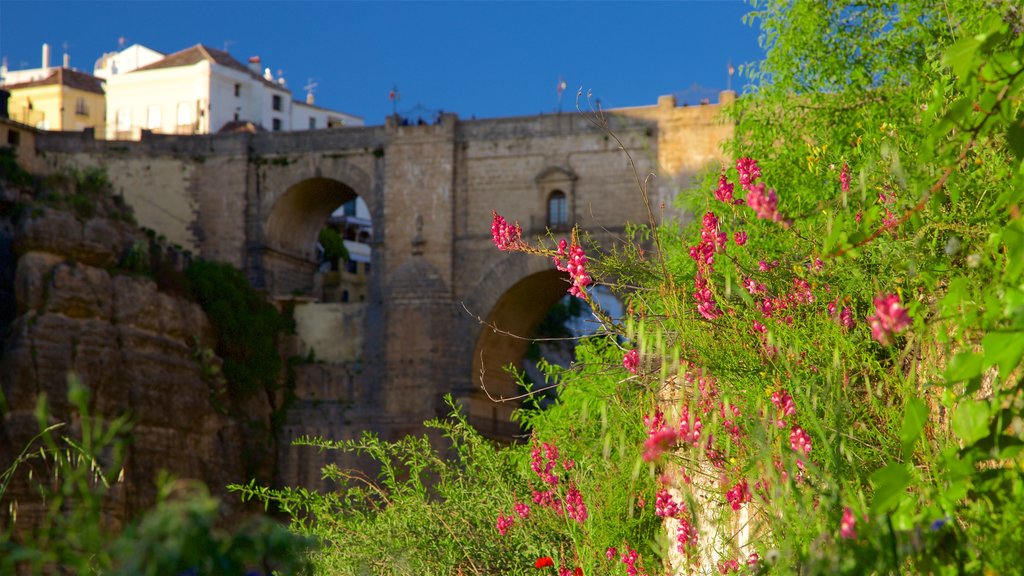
point(140, 350)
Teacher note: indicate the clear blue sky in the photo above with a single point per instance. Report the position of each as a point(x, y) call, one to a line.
point(482, 59)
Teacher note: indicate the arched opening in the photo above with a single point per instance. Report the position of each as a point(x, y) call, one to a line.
point(507, 340)
point(293, 251)
point(556, 336)
point(317, 254)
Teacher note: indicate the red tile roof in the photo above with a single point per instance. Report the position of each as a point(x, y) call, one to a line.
point(198, 53)
point(65, 77)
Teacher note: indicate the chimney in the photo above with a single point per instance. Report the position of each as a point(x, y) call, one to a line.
point(67, 60)
point(46, 55)
point(254, 64)
point(309, 97)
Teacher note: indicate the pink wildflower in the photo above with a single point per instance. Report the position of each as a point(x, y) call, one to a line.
point(749, 172)
point(764, 202)
point(759, 328)
point(659, 442)
point(686, 534)
point(847, 526)
point(802, 291)
point(890, 318)
point(784, 404)
point(724, 190)
point(799, 440)
point(631, 361)
point(576, 265)
point(728, 566)
point(844, 178)
point(738, 495)
point(575, 508)
point(753, 286)
point(505, 523)
point(689, 427)
point(523, 510)
point(664, 505)
point(610, 553)
point(705, 299)
point(654, 423)
point(506, 237)
point(629, 558)
point(741, 237)
point(846, 317)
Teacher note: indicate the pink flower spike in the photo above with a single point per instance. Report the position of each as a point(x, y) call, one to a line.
point(505, 523)
point(890, 318)
point(631, 361)
point(741, 238)
point(844, 178)
point(749, 172)
point(659, 442)
point(799, 440)
point(724, 191)
point(507, 237)
point(847, 526)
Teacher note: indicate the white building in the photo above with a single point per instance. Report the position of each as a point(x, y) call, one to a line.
point(131, 58)
point(201, 90)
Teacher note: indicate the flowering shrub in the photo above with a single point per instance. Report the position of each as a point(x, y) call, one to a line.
point(837, 390)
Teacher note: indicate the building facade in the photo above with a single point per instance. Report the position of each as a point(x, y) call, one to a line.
point(201, 90)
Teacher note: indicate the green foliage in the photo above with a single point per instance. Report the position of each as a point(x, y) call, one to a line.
point(333, 245)
point(75, 473)
point(893, 136)
point(246, 326)
point(11, 171)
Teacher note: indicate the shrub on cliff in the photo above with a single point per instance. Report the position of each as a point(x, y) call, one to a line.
point(246, 326)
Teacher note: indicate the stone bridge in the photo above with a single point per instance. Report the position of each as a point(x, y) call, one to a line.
point(258, 201)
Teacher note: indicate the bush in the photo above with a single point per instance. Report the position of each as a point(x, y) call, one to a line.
point(246, 326)
point(75, 474)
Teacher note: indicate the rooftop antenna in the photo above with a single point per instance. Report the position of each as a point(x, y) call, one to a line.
point(228, 43)
point(728, 83)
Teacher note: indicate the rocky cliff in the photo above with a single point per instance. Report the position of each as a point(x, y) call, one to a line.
point(142, 349)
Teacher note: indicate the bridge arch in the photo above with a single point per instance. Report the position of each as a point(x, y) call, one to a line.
point(516, 293)
point(292, 228)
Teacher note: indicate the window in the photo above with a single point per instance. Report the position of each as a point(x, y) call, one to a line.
point(153, 120)
point(312, 123)
point(184, 114)
point(352, 267)
point(558, 212)
point(80, 108)
point(13, 138)
point(238, 90)
point(277, 124)
point(124, 120)
point(276, 102)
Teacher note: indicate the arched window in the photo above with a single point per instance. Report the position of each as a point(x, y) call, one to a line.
point(558, 210)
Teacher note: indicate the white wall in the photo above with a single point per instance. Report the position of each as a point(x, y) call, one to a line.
point(164, 89)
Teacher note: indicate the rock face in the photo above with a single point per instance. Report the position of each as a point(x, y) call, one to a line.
point(141, 351)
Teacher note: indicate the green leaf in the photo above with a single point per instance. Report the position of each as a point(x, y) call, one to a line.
point(913, 423)
point(1004, 349)
point(890, 483)
point(960, 56)
point(1013, 238)
point(964, 366)
point(970, 421)
point(1015, 138)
